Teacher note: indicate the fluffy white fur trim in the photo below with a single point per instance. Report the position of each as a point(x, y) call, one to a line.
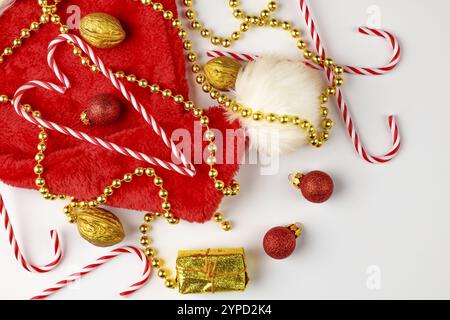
point(271, 84)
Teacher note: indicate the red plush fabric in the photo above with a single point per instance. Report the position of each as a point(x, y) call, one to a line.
point(151, 50)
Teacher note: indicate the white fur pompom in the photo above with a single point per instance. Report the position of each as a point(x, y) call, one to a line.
point(5, 5)
point(273, 85)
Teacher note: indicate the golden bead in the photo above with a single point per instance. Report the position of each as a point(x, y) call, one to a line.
point(182, 33)
point(206, 88)
point(168, 15)
point(211, 160)
point(329, 62)
point(236, 35)
point(257, 116)
point(143, 83)
point(247, 112)
point(64, 29)
point(34, 25)
point(265, 14)
point(42, 147)
point(131, 78)
point(307, 54)
point(244, 27)
point(167, 93)
point(149, 252)
point(227, 191)
point(94, 69)
point(323, 99)
point(338, 82)
point(187, 44)
point(296, 121)
point(317, 59)
point(286, 25)
point(149, 172)
point(101, 199)
point(158, 181)
point(213, 173)
point(40, 182)
point(158, 6)
point(204, 120)
point(116, 183)
point(4, 98)
point(108, 191)
point(139, 171)
point(331, 91)
point(272, 6)
point(226, 226)
point(8, 51)
point(295, 33)
point(45, 191)
point(37, 114)
point(166, 205)
point(118, 74)
point(205, 33)
point(162, 273)
point(178, 98)
point(190, 14)
point(338, 70)
point(128, 177)
point(55, 19)
point(324, 111)
point(173, 220)
point(156, 262)
point(196, 25)
point(145, 241)
point(284, 119)
point(237, 13)
point(143, 228)
point(271, 117)
point(149, 217)
point(44, 18)
point(226, 42)
point(39, 169)
point(163, 193)
point(154, 88)
point(301, 44)
point(233, 3)
point(93, 204)
point(273, 23)
point(327, 124)
point(170, 283)
point(188, 105)
point(209, 135)
point(17, 42)
point(176, 23)
point(236, 108)
point(218, 217)
point(219, 185)
point(216, 40)
point(146, 2)
point(71, 219)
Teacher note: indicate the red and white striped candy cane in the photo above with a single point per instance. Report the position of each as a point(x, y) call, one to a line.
point(343, 108)
point(186, 169)
point(364, 71)
point(98, 263)
point(57, 252)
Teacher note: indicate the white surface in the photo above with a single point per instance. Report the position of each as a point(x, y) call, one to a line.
point(394, 217)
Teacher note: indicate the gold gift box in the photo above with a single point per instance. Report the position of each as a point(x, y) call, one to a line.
point(212, 270)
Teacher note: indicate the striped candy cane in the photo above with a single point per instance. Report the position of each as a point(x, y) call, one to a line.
point(57, 252)
point(187, 168)
point(342, 105)
point(98, 263)
point(363, 71)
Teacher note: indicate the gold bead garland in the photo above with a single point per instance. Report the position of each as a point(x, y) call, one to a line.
point(226, 42)
point(315, 137)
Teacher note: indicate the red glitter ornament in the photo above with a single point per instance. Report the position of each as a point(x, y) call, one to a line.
point(316, 186)
point(103, 109)
point(280, 242)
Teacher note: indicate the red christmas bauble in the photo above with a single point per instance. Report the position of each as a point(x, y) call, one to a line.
point(103, 109)
point(279, 242)
point(316, 186)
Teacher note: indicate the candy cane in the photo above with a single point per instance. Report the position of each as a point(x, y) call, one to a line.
point(57, 252)
point(98, 263)
point(186, 169)
point(342, 105)
point(364, 71)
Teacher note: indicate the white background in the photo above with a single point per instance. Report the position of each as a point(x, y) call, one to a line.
point(390, 219)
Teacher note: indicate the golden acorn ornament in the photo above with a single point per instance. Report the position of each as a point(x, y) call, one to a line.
point(222, 72)
point(102, 30)
point(98, 226)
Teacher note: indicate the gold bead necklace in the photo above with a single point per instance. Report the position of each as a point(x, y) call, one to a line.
point(315, 137)
point(195, 24)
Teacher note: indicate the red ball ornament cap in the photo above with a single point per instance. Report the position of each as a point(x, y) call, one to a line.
point(316, 186)
point(280, 242)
